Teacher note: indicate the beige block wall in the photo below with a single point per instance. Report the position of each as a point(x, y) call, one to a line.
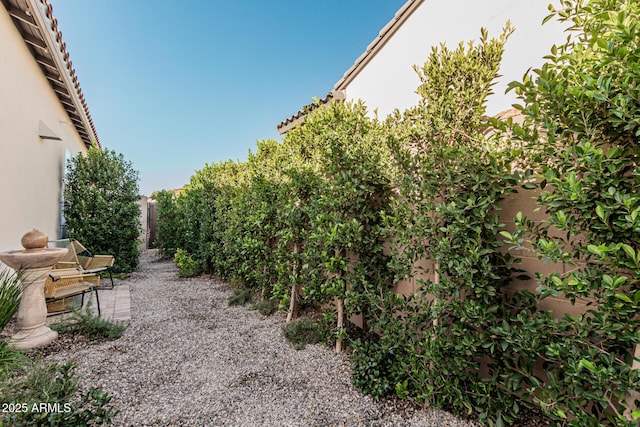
point(144, 223)
point(31, 168)
point(524, 201)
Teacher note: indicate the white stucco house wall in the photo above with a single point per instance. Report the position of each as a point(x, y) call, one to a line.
point(44, 119)
point(384, 78)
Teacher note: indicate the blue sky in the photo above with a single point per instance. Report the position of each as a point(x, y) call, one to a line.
point(176, 84)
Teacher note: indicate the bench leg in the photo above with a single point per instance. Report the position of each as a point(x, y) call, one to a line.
point(95, 289)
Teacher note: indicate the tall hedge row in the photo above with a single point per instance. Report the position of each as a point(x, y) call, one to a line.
point(347, 205)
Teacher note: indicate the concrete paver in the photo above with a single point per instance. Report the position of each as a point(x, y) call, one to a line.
point(115, 303)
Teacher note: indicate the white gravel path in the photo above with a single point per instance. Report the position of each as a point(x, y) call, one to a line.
point(189, 359)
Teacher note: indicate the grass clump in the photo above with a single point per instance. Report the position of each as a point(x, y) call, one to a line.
point(93, 327)
point(240, 297)
point(10, 294)
point(266, 307)
point(302, 332)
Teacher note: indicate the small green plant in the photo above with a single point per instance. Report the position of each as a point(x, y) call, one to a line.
point(240, 297)
point(85, 322)
point(266, 307)
point(301, 332)
point(39, 380)
point(10, 293)
point(47, 394)
point(326, 326)
point(188, 266)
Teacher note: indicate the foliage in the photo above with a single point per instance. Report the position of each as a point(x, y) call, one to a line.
point(583, 120)
point(240, 297)
point(452, 172)
point(26, 385)
point(10, 294)
point(188, 266)
point(100, 205)
point(266, 307)
point(343, 254)
point(301, 332)
point(304, 211)
point(167, 223)
point(377, 366)
point(88, 324)
point(307, 219)
point(58, 386)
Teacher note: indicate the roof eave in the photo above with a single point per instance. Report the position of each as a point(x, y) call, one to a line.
point(53, 58)
point(371, 51)
point(298, 118)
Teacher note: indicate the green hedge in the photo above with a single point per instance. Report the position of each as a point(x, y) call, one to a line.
point(315, 210)
point(100, 206)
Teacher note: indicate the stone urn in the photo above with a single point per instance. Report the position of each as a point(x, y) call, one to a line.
point(34, 262)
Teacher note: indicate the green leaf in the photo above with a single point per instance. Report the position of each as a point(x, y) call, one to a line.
point(624, 298)
point(506, 235)
point(587, 364)
point(631, 253)
point(594, 250)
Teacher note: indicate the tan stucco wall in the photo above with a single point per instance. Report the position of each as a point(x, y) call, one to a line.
point(389, 80)
point(31, 168)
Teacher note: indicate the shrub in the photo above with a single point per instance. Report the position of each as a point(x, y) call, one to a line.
point(240, 297)
point(45, 382)
point(376, 366)
point(100, 205)
point(453, 169)
point(265, 307)
point(306, 219)
point(168, 222)
point(301, 332)
point(10, 294)
point(188, 266)
point(582, 125)
point(88, 324)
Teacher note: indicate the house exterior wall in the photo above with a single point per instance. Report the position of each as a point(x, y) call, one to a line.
point(31, 168)
point(389, 81)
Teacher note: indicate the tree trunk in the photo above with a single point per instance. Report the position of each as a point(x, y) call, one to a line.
point(436, 280)
point(293, 302)
point(340, 308)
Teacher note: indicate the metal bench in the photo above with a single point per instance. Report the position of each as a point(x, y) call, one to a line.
point(61, 285)
point(81, 259)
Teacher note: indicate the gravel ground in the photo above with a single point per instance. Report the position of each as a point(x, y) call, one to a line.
point(189, 359)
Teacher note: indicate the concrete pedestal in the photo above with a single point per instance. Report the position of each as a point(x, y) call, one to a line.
point(32, 314)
